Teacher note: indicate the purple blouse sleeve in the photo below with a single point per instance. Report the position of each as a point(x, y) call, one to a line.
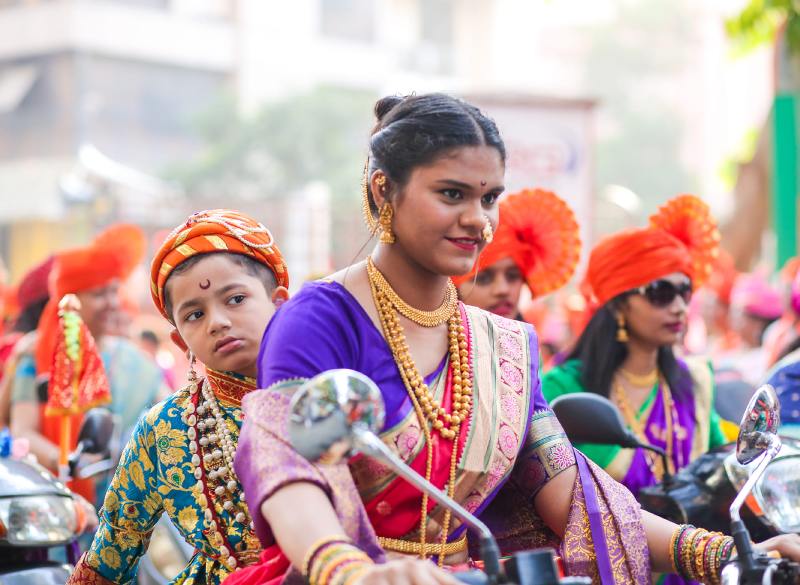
point(546, 451)
point(313, 332)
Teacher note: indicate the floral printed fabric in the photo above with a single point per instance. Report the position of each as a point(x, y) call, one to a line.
point(154, 476)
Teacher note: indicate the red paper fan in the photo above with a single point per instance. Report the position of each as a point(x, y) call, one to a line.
point(689, 219)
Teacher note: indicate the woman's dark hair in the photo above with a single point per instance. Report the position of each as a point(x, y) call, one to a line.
point(28, 319)
point(601, 354)
point(416, 130)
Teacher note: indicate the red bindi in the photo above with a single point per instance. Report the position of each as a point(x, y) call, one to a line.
point(205, 285)
point(483, 183)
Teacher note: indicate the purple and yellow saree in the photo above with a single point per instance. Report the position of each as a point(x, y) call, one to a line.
point(511, 448)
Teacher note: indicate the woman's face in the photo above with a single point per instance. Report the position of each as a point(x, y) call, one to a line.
point(656, 326)
point(440, 213)
point(496, 288)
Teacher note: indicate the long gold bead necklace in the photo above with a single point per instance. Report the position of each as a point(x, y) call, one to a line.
point(428, 410)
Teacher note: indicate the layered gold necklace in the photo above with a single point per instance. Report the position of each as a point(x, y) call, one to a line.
point(629, 414)
point(429, 411)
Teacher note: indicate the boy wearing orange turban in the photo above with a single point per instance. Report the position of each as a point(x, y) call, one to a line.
point(218, 279)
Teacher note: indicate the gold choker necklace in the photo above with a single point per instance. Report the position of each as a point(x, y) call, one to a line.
point(425, 318)
point(640, 381)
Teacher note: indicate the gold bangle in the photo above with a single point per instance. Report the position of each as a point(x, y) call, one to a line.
point(317, 546)
point(345, 558)
point(349, 573)
point(672, 542)
point(699, 554)
point(687, 555)
point(328, 554)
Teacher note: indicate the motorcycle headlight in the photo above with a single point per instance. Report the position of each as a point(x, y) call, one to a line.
point(37, 520)
point(778, 493)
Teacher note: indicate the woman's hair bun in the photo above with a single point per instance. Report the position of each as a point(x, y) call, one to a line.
point(386, 104)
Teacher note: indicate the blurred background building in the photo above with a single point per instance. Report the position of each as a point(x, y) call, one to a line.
point(144, 110)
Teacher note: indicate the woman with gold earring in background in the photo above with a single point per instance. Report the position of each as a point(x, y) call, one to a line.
point(639, 284)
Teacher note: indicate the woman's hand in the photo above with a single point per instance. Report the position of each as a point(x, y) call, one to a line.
point(406, 572)
point(787, 545)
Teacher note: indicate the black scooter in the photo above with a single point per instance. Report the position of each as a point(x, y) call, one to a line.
point(699, 495)
point(39, 513)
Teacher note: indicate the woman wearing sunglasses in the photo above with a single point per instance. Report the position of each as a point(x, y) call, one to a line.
point(639, 283)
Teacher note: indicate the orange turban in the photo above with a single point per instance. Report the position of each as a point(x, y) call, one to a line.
point(216, 230)
point(682, 237)
point(538, 231)
point(76, 270)
point(127, 241)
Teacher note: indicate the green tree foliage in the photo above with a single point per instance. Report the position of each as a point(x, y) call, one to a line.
point(760, 21)
point(317, 136)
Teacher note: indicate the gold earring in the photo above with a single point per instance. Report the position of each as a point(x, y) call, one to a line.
point(622, 332)
point(372, 224)
point(487, 233)
point(385, 221)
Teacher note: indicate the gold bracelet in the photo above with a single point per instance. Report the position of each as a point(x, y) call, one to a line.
point(345, 558)
point(318, 545)
point(349, 573)
point(328, 555)
point(687, 555)
point(699, 554)
point(672, 542)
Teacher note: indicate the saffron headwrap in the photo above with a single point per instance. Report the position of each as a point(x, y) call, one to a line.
point(682, 237)
point(74, 271)
point(216, 230)
point(538, 231)
point(128, 241)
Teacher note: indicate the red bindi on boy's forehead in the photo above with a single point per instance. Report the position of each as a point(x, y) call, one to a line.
point(205, 285)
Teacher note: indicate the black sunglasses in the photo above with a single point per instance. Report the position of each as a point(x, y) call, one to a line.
point(661, 293)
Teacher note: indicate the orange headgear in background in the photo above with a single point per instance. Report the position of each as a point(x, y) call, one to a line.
point(682, 237)
point(216, 230)
point(538, 231)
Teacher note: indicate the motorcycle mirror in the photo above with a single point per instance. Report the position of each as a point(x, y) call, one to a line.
point(759, 425)
point(96, 431)
point(325, 410)
point(591, 418)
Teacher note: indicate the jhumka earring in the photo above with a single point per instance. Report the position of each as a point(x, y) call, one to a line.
point(365, 208)
point(487, 233)
point(385, 221)
point(622, 332)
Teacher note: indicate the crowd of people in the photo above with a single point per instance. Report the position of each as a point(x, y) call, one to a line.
point(465, 317)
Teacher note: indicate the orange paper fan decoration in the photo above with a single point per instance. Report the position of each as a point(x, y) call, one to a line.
point(538, 231)
point(689, 219)
point(549, 235)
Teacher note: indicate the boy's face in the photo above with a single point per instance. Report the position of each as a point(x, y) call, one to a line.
point(221, 312)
